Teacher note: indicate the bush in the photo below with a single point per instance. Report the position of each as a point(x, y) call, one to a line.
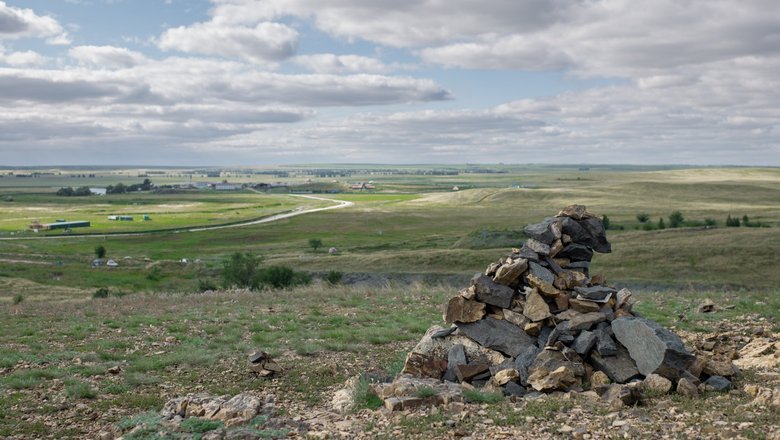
point(154, 275)
point(241, 270)
point(334, 277)
point(102, 292)
point(280, 277)
point(676, 219)
point(710, 222)
point(18, 298)
point(661, 224)
point(199, 426)
point(315, 243)
point(642, 217)
point(605, 220)
point(204, 285)
point(100, 251)
point(732, 222)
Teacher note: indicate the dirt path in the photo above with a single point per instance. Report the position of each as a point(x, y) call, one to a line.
point(296, 212)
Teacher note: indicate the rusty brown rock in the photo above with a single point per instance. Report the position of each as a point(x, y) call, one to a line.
point(584, 306)
point(536, 309)
point(577, 212)
point(542, 286)
point(509, 273)
point(460, 309)
point(421, 365)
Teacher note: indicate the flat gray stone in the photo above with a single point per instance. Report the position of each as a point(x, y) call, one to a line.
point(576, 252)
point(498, 335)
point(541, 272)
point(584, 342)
point(595, 293)
point(717, 383)
point(490, 292)
point(584, 321)
point(598, 235)
point(620, 368)
point(456, 356)
point(605, 345)
point(528, 253)
point(538, 247)
point(653, 348)
point(541, 231)
point(524, 360)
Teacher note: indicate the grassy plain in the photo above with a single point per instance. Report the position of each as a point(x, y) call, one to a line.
point(57, 343)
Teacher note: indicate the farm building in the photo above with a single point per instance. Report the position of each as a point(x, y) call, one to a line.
point(121, 218)
point(59, 225)
point(227, 187)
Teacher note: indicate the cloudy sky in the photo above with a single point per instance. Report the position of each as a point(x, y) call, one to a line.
point(258, 82)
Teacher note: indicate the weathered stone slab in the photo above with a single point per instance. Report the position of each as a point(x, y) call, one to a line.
point(524, 360)
point(490, 292)
point(584, 342)
point(508, 273)
point(538, 247)
point(460, 309)
point(717, 383)
point(653, 348)
point(543, 287)
point(498, 335)
point(422, 365)
point(605, 345)
point(541, 272)
point(455, 357)
point(585, 321)
point(528, 254)
point(515, 318)
point(576, 252)
point(469, 371)
point(561, 378)
point(598, 235)
point(595, 293)
point(440, 347)
point(620, 367)
point(577, 212)
point(583, 306)
point(536, 309)
point(541, 231)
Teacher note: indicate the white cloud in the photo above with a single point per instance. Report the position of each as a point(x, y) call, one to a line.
point(262, 43)
point(25, 23)
point(21, 59)
point(107, 56)
point(331, 63)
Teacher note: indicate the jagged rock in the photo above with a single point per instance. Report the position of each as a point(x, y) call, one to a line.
point(653, 348)
point(533, 328)
point(685, 387)
point(455, 357)
point(599, 379)
point(618, 395)
point(717, 383)
point(584, 342)
point(605, 345)
point(490, 292)
point(597, 235)
point(540, 272)
point(515, 318)
point(561, 378)
point(460, 309)
point(468, 371)
point(422, 365)
point(541, 286)
point(620, 367)
point(561, 302)
point(585, 321)
point(403, 392)
point(715, 366)
point(560, 330)
point(508, 273)
point(556, 248)
point(536, 309)
point(444, 333)
point(576, 212)
point(498, 335)
point(576, 252)
point(538, 247)
point(235, 410)
point(524, 360)
point(514, 389)
point(542, 231)
point(657, 383)
point(707, 306)
point(261, 364)
point(505, 376)
point(584, 306)
point(624, 300)
point(595, 293)
point(528, 254)
point(440, 347)
point(552, 359)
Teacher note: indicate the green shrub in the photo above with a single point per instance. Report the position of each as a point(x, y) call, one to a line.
point(732, 222)
point(102, 292)
point(364, 397)
point(280, 277)
point(199, 426)
point(334, 277)
point(425, 392)
point(100, 251)
point(711, 222)
point(477, 396)
point(154, 275)
point(315, 243)
point(241, 270)
point(80, 390)
point(642, 217)
point(676, 219)
point(606, 222)
point(661, 224)
point(18, 298)
point(204, 285)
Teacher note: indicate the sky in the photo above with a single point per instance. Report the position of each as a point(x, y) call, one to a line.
point(264, 82)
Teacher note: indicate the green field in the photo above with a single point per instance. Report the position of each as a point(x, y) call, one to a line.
point(59, 341)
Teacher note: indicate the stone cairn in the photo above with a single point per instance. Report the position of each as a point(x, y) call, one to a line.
point(536, 322)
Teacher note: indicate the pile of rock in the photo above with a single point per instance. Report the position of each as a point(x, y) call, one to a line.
point(537, 321)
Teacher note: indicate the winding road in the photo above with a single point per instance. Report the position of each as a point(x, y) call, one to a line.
point(272, 218)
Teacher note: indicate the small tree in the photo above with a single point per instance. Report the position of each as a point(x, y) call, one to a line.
point(642, 217)
point(732, 221)
point(315, 243)
point(661, 224)
point(746, 220)
point(100, 251)
point(676, 219)
point(241, 270)
point(605, 220)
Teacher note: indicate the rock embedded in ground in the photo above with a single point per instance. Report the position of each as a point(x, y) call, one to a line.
point(498, 335)
point(717, 383)
point(657, 383)
point(236, 410)
point(653, 348)
point(490, 292)
point(685, 387)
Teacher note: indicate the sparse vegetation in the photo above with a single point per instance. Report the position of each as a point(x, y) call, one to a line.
point(315, 243)
point(477, 396)
point(676, 219)
point(334, 277)
point(100, 251)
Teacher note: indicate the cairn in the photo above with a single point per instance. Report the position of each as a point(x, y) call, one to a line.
point(536, 321)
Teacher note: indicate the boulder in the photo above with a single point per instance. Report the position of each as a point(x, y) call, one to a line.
point(576, 252)
point(498, 335)
point(455, 357)
point(561, 378)
point(717, 383)
point(657, 383)
point(440, 347)
point(653, 348)
point(597, 235)
point(460, 309)
point(490, 292)
point(423, 365)
point(685, 387)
